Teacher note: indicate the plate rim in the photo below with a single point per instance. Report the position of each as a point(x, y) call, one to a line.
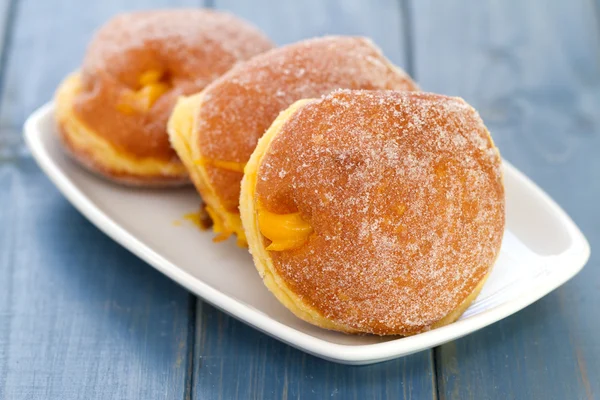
point(573, 259)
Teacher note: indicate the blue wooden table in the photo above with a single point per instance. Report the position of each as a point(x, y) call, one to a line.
point(81, 318)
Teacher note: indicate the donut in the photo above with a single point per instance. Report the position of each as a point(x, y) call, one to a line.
point(112, 113)
point(376, 212)
point(215, 131)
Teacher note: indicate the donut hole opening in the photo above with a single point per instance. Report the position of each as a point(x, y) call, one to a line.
point(152, 84)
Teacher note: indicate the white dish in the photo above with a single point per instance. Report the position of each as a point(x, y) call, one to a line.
point(542, 249)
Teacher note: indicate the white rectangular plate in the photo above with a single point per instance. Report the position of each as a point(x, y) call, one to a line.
point(542, 249)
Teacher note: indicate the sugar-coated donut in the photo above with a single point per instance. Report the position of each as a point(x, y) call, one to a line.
point(112, 114)
point(375, 211)
point(215, 132)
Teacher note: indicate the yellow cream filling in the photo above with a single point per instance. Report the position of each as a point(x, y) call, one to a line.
point(194, 218)
point(285, 231)
point(181, 133)
point(225, 228)
point(250, 213)
point(100, 150)
point(152, 87)
point(251, 218)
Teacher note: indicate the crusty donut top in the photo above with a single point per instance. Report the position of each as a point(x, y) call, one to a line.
point(189, 47)
point(404, 192)
point(238, 107)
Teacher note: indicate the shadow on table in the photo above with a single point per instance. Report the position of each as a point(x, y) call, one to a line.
point(230, 351)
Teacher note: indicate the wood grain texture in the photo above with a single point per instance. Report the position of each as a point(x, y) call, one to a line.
point(80, 317)
point(7, 8)
point(288, 21)
point(234, 361)
point(533, 70)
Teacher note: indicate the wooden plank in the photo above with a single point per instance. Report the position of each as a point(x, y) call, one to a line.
point(80, 317)
point(7, 8)
point(6, 14)
point(235, 361)
point(533, 71)
point(289, 21)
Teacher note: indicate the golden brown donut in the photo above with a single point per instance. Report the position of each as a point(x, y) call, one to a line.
point(112, 114)
point(215, 132)
point(375, 212)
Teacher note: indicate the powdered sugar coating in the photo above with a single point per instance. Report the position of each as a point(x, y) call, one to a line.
point(191, 47)
point(238, 107)
point(404, 192)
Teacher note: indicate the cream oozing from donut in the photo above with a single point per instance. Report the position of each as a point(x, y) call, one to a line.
point(403, 192)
